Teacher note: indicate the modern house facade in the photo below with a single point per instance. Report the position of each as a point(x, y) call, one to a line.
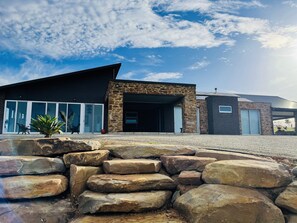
point(93, 99)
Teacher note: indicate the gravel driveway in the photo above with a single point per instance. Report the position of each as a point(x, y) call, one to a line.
point(283, 146)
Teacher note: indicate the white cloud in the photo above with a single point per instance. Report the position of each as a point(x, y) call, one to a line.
point(291, 3)
point(62, 29)
point(29, 70)
point(199, 64)
point(162, 76)
point(59, 29)
point(129, 75)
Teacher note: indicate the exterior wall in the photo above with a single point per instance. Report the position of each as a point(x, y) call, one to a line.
point(201, 104)
point(117, 89)
point(265, 115)
point(2, 105)
point(222, 123)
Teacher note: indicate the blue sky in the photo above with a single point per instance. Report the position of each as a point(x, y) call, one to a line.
point(236, 46)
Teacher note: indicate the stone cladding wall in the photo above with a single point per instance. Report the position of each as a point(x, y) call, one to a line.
point(201, 104)
point(117, 89)
point(265, 115)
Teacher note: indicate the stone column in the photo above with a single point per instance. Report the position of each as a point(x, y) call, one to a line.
point(115, 110)
point(189, 116)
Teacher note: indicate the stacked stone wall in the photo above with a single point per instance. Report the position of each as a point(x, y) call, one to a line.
point(117, 89)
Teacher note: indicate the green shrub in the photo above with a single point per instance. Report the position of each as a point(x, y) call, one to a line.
point(47, 125)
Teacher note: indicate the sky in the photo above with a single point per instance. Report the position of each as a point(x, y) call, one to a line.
point(236, 46)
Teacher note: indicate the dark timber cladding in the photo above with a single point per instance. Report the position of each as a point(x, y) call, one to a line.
point(131, 102)
point(221, 120)
point(86, 86)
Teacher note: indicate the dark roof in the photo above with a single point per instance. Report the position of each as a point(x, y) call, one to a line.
point(154, 82)
point(275, 101)
point(219, 94)
point(116, 68)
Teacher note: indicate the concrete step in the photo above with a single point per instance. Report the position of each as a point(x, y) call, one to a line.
point(92, 202)
point(131, 166)
point(111, 183)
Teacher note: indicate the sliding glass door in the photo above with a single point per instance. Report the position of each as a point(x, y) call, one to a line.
point(78, 117)
point(93, 118)
point(250, 122)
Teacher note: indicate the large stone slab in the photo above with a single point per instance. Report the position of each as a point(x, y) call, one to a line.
point(92, 158)
point(189, 178)
point(79, 176)
point(288, 198)
point(247, 173)
point(24, 165)
point(20, 187)
point(291, 218)
point(130, 166)
point(111, 183)
point(176, 164)
point(222, 203)
point(147, 150)
point(92, 202)
point(45, 146)
point(224, 155)
point(169, 216)
point(50, 211)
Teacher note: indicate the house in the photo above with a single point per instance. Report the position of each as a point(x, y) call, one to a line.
point(94, 99)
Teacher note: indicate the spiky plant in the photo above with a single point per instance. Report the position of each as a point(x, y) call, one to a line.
point(47, 125)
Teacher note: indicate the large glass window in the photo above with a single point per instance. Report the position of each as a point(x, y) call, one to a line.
point(73, 118)
point(97, 118)
point(10, 111)
point(62, 115)
point(93, 118)
point(21, 114)
point(51, 109)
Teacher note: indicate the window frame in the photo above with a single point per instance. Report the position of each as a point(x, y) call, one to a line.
point(224, 111)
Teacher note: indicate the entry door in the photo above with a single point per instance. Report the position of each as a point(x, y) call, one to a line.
point(250, 122)
point(93, 118)
point(178, 119)
point(198, 120)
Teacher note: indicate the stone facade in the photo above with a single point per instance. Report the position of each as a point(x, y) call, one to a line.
point(117, 89)
point(265, 115)
point(201, 104)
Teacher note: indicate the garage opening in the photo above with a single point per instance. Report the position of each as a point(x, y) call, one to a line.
point(152, 113)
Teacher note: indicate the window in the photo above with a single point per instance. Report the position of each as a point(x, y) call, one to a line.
point(131, 118)
point(225, 109)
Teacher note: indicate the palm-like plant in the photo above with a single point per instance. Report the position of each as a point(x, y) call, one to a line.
point(47, 125)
